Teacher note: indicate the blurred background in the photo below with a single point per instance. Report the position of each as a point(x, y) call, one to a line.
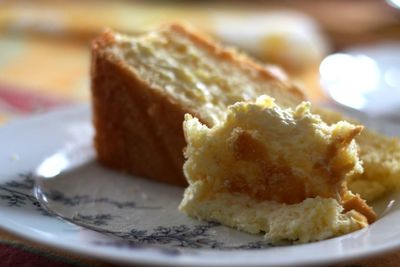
point(344, 51)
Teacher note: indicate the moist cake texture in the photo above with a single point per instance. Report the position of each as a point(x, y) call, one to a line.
point(200, 77)
point(381, 160)
point(273, 170)
point(143, 85)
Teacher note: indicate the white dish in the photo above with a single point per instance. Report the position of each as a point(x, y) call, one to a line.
point(365, 78)
point(138, 219)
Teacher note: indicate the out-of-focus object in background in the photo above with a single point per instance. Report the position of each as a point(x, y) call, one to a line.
point(289, 39)
point(281, 36)
point(44, 44)
point(394, 3)
point(365, 78)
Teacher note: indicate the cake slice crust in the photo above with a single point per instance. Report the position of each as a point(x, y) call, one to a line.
point(137, 116)
point(138, 109)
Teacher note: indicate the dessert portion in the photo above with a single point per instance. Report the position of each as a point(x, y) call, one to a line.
point(143, 85)
point(381, 161)
point(273, 170)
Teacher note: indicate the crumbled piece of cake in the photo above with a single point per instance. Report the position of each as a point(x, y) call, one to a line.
point(143, 85)
point(381, 161)
point(273, 170)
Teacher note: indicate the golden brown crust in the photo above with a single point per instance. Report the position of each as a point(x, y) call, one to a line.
point(139, 127)
point(106, 39)
point(359, 205)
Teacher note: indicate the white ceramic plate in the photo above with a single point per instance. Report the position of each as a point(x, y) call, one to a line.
point(365, 78)
point(121, 219)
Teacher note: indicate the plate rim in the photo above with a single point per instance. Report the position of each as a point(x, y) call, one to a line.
point(173, 262)
point(100, 253)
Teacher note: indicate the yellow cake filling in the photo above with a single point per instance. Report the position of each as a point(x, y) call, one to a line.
point(273, 170)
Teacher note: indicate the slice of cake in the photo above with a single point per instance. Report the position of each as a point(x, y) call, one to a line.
point(381, 160)
point(143, 85)
point(278, 171)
